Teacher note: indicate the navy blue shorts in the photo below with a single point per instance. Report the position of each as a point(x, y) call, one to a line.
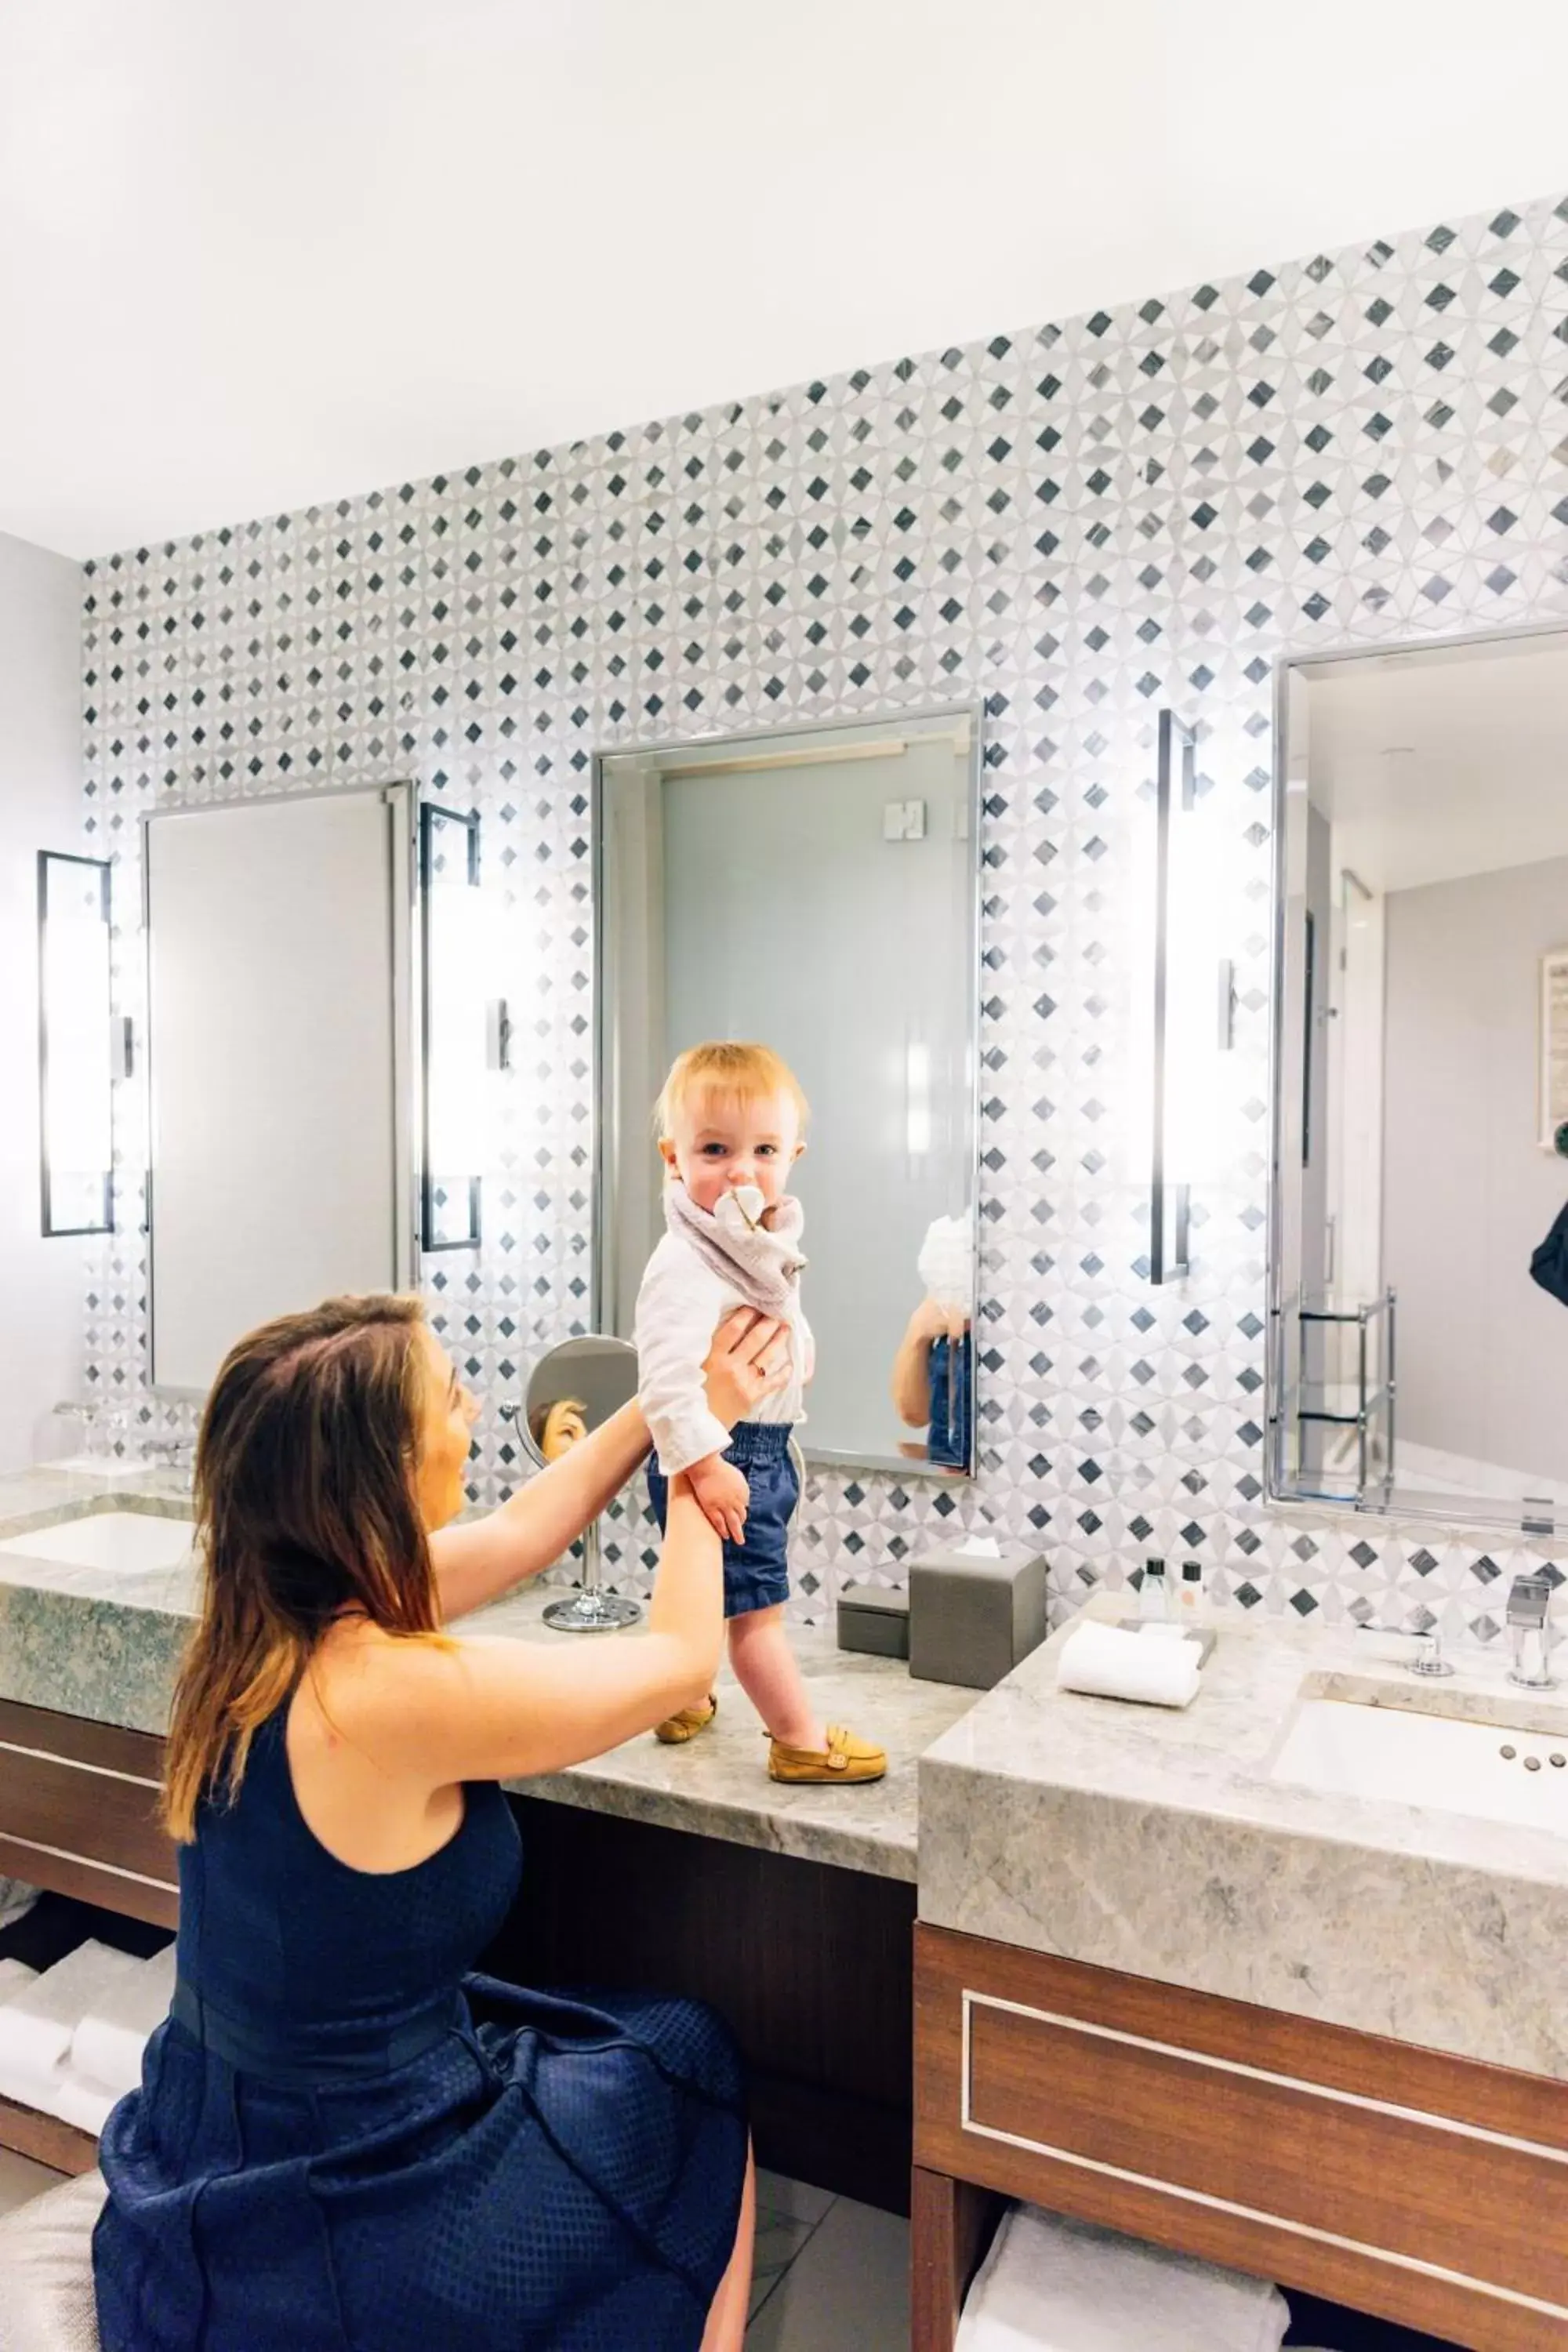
point(756, 1572)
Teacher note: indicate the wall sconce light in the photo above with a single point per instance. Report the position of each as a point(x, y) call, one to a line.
point(1170, 1198)
point(77, 1046)
point(1195, 1003)
point(459, 1033)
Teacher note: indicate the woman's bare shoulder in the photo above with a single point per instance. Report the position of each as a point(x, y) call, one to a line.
point(361, 1675)
point(365, 1681)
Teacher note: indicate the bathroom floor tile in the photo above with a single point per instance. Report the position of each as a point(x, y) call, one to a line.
point(779, 2194)
point(21, 2179)
point(848, 2285)
point(780, 2238)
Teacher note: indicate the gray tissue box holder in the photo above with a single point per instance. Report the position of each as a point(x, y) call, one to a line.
point(971, 1620)
point(873, 1619)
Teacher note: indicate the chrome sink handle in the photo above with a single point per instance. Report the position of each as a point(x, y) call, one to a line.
point(1529, 1631)
point(1428, 1659)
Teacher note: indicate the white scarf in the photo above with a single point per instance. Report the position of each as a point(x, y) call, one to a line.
point(762, 1262)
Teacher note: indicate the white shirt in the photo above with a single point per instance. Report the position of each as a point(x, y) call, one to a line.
point(680, 1306)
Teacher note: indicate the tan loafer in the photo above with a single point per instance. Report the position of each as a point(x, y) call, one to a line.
point(676, 1729)
point(844, 1761)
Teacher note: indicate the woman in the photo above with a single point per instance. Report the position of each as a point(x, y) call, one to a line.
point(341, 2141)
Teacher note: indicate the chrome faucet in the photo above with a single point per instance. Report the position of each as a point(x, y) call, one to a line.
point(1427, 1658)
point(1529, 1631)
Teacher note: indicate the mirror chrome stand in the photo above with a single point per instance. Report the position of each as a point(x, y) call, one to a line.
point(592, 1609)
point(582, 1383)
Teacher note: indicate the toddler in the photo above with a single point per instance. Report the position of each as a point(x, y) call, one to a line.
point(731, 1123)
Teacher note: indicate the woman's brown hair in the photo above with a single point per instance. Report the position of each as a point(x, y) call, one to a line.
point(305, 1506)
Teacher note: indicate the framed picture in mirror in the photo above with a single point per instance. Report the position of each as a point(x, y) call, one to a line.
point(1553, 1129)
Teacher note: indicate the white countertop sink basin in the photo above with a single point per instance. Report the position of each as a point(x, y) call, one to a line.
point(1348, 1749)
point(116, 1543)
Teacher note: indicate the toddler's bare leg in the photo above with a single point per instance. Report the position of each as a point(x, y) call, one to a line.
point(766, 1671)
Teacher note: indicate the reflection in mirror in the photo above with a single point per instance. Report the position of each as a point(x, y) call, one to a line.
point(277, 964)
point(75, 1064)
point(815, 890)
point(1420, 1349)
point(572, 1390)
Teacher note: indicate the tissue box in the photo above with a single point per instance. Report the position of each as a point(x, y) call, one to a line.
point(872, 1619)
point(972, 1618)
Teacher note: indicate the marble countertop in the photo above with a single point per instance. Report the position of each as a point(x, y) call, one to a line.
point(1156, 1842)
point(106, 1647)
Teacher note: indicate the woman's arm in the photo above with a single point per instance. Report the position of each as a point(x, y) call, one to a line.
point(484, 1558)
point(494, 1709)
point(910, 1382)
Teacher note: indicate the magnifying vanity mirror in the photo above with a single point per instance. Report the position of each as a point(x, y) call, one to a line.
point(815, 889)
point(571, 1390)
point(1419, 1280)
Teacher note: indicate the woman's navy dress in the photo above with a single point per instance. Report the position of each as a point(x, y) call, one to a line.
point(344, 2140)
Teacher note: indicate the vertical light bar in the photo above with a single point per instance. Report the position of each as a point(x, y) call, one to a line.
point(1169, 1203)
point(452, 1026)
point(75, 1070)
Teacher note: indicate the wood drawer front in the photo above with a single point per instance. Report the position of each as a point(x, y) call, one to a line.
point(79, 1811)
point(1430, 2189)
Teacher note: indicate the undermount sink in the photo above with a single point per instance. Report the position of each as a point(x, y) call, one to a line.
point(116, 1543)
point(1348, 1749)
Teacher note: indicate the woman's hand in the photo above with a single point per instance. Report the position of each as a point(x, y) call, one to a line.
point(933, 1320)
point(750, 1358)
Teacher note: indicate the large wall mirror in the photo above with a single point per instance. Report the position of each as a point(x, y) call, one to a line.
point(1418, 1365)
point(277, 936)
point(815, 889)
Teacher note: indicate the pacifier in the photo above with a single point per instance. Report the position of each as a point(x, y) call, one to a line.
point(748, 1199)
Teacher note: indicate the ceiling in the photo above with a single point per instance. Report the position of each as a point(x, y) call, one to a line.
point(1433, 765)
point(254, 257)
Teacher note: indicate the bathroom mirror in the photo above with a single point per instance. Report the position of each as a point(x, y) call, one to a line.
point(278, 1064)
point(815, 889)
point(1416, 1366)
point(571, 1390)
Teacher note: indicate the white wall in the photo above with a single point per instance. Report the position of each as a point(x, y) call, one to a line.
point(40, 808)
point(1468, 1191)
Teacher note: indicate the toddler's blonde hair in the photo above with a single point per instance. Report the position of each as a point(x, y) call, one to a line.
point(742, 1072)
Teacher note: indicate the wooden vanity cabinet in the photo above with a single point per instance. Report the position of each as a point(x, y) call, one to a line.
point(1428, 2189)
point(79, 1816)
point(79, 1813)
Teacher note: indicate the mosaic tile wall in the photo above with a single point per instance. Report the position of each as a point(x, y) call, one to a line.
point(1078, 523)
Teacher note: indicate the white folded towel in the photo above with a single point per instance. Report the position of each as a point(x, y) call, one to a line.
point(107, 2046)
point(38, 2021)
point(77, 2100)
point(1054, 2285)
point(1108, 1663)
point(16, 1899)
point(13, 1975)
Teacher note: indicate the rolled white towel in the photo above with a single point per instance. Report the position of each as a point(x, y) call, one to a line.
point(38, 2021)
point(13, 1975)
point(77, 2100)
point(1054, 2285)
point(1108, 1663)
point(107, 2045)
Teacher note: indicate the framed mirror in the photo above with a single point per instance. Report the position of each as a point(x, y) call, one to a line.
point(279, 1064)
point(1418, 1280)
point(815, 889)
